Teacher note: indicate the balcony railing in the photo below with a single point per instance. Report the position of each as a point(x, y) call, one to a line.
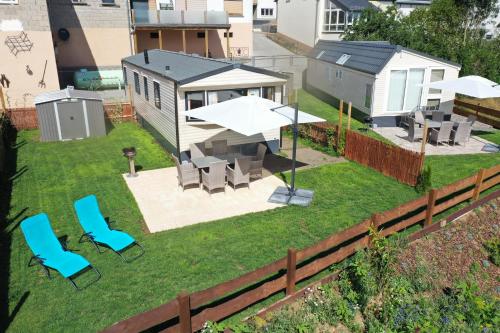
point(145, 17)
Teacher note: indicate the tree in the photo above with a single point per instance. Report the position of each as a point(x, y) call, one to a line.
point(450, 29)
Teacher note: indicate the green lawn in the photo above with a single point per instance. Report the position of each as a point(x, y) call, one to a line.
point(313, 105)
point(190, 258)
point(493, 136)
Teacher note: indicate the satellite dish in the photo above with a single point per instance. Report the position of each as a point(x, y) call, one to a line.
point(63, 34)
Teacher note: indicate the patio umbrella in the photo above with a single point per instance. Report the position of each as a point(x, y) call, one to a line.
point(472, 85)
point(250, 115)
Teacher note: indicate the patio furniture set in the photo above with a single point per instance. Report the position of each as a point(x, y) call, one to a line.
point(224, 164)
point(440, 131)
point(52, 253)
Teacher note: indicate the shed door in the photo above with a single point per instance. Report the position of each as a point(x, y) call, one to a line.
point(71, 120)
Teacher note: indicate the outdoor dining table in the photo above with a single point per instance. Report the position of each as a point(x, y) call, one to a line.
point(431, 124)
point(204, 162)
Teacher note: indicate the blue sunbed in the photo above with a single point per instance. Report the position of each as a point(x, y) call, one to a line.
point(97, 231)
point(50, 253)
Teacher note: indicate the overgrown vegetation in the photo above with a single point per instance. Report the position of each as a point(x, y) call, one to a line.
point(450, 29)
point(424, 181)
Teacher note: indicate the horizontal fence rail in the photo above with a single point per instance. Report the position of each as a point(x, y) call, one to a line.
point(393, 161)
point(189, 312)
point(483, 114)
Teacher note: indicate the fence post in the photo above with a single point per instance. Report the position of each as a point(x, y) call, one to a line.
point(341, 111)
point(479, 182)
point(349, 115)
point(184, 312)
point(424, 137)
point(291, 266)
point(430, 207)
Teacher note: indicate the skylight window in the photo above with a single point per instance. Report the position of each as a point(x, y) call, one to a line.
point(320, 54)
point(342, 60)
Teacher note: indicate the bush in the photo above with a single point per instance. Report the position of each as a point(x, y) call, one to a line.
point(424, 181)
point(493, 248)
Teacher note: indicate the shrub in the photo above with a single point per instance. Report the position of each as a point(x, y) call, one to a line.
point(424, 181)
point(493, 248)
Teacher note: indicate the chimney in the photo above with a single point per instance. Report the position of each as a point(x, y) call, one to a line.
point(146, 57)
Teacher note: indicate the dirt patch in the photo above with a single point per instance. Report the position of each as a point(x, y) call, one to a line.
point(458, 249)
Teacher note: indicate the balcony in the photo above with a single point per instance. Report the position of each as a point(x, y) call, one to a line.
point(146, 18)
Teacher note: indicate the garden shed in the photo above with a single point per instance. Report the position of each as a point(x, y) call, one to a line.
point(70, 114)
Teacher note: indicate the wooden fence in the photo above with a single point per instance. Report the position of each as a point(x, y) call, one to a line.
point(188, 312)
point(485, 115)
point(399, 163)
point(26, 118)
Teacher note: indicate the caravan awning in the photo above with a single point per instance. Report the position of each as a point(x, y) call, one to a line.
point(250, 115)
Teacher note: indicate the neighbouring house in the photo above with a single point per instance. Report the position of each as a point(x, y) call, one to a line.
point(211, 28)
point(93, 35)
point(380, 79)
point(265, 10)
point(164, 84)
point(404, 7)
point(27, 61)
point(307, 21)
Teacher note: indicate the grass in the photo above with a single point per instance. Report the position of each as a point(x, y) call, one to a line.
point(52, 175)
point(493, 136)
point(313, 105)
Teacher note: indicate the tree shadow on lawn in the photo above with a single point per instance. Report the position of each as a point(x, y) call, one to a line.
point(8, 224)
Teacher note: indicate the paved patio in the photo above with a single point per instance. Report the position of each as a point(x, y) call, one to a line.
point(399, 136)
point(165, 206)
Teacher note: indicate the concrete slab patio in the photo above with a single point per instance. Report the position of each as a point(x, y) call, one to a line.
point(399, 136)
point(165, 206)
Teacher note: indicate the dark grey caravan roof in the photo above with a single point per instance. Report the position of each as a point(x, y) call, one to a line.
point(355, 5)
point(184, 68)
point(69, 92)
point(368, 57)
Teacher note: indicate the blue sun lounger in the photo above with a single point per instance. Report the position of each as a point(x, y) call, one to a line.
point(97, 231)
point(50, 253)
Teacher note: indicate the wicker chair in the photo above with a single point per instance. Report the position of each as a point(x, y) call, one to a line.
point(257, 163)
point(241, 172)
point(187, 174)
point(215, 177)
point(442, 134)
point(414, 131)
point(219, 147)
point(197, 150)
point(471, 119)
point(419, 117)
point(462, 133)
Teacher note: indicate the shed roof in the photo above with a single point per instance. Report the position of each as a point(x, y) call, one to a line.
point(365, 56)
point(69, 92)
point(184, 68)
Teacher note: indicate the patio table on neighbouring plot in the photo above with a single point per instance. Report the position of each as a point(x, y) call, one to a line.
point(431, 123)
point(204, 162)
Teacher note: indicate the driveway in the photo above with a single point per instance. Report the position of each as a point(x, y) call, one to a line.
point(263, 46)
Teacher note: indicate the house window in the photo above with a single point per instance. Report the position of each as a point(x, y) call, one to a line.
point(200, 34)
point(330, 74)
point(338, 74)
point(108, 2)
point(154, 35)
point(137, 84)
point(253, 92)
point(436, 75)
point(404, 89)
point(10, 2)
point(336, 19)
point(343, 58)
point(194, 100)
point(433, 103)
point(157, 96)
point(225, 95)
point(125, 79)
point(266, 11)
point(230, 35)
point(166, 4)
point(368, 96)
point(268, 93)
point(146, 90)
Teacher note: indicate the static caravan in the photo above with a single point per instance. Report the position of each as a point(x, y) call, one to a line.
point(165, 84)
point(381, 80)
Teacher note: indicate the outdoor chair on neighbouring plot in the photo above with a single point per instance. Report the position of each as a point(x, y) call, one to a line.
point(98, 232)
point(215, 177)
point(257, 163)
point(419, 117)
point(404, 122)
point(461, 134)
point(442, 134)
point(414, 131)
point(471, 119)
point(438, 116)
point(219, 147)
point(197, 150)
point(48, 251)
point(241, 172)
point(187, 174)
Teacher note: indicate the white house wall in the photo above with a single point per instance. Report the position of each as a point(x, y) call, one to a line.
point(351, 88)
point(406, 60)
point(296, 19)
